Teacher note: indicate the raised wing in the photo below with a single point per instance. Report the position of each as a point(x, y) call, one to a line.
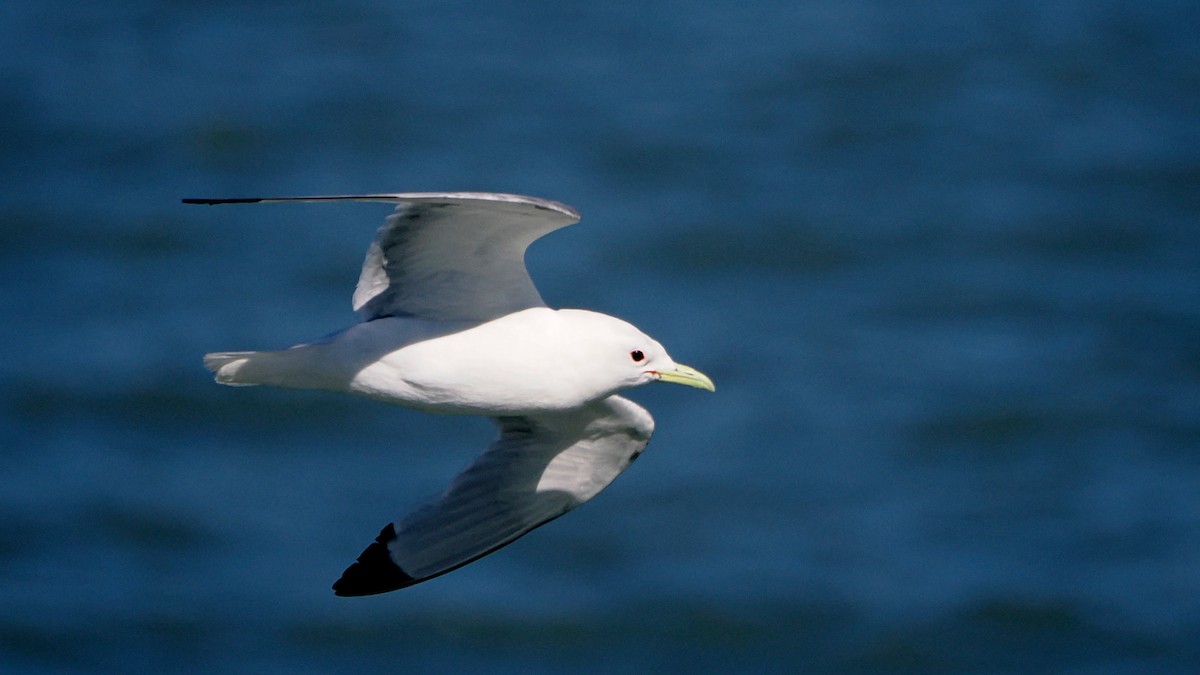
point(455, 256)
point(538, 469)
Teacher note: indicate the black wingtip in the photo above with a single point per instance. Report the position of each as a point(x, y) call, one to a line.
point(375, 572)
point(235, 200)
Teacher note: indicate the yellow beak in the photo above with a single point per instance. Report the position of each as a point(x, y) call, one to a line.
point(688, 375)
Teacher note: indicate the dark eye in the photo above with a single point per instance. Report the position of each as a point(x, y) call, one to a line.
point(637, 356)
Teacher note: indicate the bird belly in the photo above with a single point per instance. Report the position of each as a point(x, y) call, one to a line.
point(424, 386)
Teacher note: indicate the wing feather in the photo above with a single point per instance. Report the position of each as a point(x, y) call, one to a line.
point(538, 469)
point(447, 256)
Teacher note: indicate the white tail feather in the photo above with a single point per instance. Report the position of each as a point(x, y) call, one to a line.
point(300, 367)
point(230, 367)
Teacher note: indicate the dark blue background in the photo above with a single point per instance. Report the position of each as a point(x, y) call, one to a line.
point(942, 260)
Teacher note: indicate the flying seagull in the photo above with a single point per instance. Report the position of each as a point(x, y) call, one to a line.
point(451, 323)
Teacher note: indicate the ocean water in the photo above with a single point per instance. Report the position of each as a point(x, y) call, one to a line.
point(942, 260)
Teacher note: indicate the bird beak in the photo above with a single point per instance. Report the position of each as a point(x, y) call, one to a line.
point(688, 375)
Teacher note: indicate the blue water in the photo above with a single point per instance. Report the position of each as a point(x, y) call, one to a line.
point(942, 260)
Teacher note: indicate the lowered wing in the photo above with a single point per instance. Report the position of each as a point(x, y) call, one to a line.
point(538, 469)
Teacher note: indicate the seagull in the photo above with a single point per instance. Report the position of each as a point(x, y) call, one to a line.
point(451, 323)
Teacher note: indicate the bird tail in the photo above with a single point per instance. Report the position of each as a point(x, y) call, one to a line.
point(240, 369)
point(298, 367)
point(304, 366)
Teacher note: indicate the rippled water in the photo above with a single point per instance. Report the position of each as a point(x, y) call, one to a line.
point(942, 261)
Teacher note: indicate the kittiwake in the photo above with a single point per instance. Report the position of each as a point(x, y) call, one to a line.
point(451, 323)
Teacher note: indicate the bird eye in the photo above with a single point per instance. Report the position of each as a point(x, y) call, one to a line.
point(637, 356)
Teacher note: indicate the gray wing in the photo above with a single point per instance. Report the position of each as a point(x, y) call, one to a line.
point(538, 469)
point(455, 256)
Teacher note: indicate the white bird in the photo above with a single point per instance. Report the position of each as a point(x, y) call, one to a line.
point(452, 323)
